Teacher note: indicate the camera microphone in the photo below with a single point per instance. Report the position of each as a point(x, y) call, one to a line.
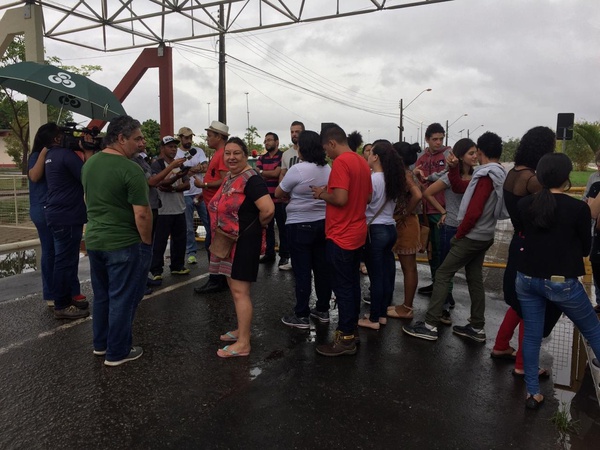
point(190, 153)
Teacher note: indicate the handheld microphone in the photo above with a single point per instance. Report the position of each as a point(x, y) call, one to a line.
point(190, 153)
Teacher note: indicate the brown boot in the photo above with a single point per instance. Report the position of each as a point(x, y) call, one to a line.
point(343, 344)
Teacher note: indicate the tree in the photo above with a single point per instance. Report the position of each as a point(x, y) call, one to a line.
point(14, 113)
point(584, 145)
point(509, 149)
point(251, 138)
point(151, 131)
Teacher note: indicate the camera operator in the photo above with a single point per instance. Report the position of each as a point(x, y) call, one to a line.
point(65, 215)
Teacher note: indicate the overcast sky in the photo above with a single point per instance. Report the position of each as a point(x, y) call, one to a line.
point(509, 64)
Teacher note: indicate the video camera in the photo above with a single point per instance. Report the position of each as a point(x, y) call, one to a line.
point(74, 139)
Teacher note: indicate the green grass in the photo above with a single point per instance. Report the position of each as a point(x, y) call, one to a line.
point(580, 178)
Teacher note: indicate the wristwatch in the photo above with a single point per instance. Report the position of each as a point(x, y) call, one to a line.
point(260, 172)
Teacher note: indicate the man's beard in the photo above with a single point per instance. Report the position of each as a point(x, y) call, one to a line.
point(187, 145)
point(294, 140)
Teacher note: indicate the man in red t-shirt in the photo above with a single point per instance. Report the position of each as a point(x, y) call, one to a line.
point(346, 196)
point(216, 138)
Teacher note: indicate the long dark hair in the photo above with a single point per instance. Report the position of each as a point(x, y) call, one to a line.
point(311, 150)
point(393, 169)
point(460, 149)
point(408, 152)
point(534, 144)
point(553, 170)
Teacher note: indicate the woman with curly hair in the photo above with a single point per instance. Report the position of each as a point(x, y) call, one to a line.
point(388, 183)
point(521, 181)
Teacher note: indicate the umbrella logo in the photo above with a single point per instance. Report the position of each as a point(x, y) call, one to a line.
point(62, 78)
point(69, 100)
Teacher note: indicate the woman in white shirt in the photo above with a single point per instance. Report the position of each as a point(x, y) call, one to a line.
point(305, 226)
point(388, 182)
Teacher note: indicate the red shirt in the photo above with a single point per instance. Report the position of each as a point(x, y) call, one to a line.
point(347, 225)
point(482, 192)
point(213, 173)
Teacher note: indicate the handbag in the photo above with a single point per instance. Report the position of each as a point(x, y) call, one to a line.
point(222, 242)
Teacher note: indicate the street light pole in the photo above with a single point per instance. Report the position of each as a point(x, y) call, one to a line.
point(247, 110)
point(402, 108)
point(469, 131)
point(208, 105)
point(448, 126)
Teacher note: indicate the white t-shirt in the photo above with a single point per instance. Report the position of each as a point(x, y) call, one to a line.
point(198, 158)
point(296, 182)
point(289, 158)
point(386, 216)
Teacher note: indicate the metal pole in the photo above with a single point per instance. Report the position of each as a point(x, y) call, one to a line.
point(564, 140)
point(222, 62)
point(401, 127)
point(208, 104)
point(247, 110)
point(446, 133)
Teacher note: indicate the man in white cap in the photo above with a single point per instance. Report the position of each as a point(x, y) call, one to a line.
point(216, 138)
point(197, 164)
point(171, 213)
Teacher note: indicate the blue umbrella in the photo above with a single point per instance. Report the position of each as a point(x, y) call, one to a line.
point(58, 87)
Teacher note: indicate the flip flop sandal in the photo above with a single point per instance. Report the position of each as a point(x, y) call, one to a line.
point(228, 337)
point(226, 353)
point(506, 356)
point(542, 374)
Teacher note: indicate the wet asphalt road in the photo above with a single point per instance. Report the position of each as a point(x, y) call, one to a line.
point(398, 392)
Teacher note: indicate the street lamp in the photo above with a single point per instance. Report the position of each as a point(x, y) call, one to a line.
point(469, 131)
point(448, 126)
point(247, 110)
point(208, 105)
point(402, 108)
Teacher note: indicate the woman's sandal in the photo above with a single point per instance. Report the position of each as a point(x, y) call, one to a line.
point(509, 354)
point(392, 311)
point(542, 373)
point(228, 337)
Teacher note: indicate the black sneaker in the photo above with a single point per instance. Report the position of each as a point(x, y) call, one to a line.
point(420, 330)
point(426, 290)
point(446, 319)
point(267, 259)
point(322, 317)
point(135, 353)
point(342, 344)
point(284, 264)
point(469, 332)
point(296, 322)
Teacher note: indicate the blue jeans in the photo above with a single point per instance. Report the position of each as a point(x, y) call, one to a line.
point(67, 241)
point(279, 217)
point(46, 261)
point(381, 266)
point(307, 248)
point(119, 282)
point(345, 281)
point(200, 207)
point(570, 297)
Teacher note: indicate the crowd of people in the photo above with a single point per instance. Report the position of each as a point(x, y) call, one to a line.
point(334, 208)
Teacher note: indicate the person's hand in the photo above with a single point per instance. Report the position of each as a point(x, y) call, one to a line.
point(176, 163)
point(318, 190)
point(419, 173)
point(451, 159)
point(442, 220)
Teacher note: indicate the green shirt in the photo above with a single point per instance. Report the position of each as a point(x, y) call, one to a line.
point(112, 184)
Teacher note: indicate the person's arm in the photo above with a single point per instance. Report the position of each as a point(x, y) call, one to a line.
point(415, 193)
point(595, 207)
point(431, 191)
point(280, 193)
point(482, 192)
point(36, 173)
point(337, 197)
point(157, 178)
point(458, 185)
point(266, 209)
point(274, 173)
point(143, 222)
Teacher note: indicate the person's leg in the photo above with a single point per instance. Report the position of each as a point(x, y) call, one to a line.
point(572, 299)
point(270, 250)
point(390, 267)
point(596, 277)
point(178, 242)
point(203, 214)
point(434, 238)
point(344, 269)
point(533, 305)
point(446, 234)
point(67, 240)
point(506, 330)
point(519, 359)
point(240, 291)
point(320, 268)
point(123, 269)
point(374, 258)
point(46, 260)
point(161, 236)
point(190, 245)
point(458, 256)
point(475, 255)
point(408, 264)
point(300, 237)
point(100, 286)
point(280, 218)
